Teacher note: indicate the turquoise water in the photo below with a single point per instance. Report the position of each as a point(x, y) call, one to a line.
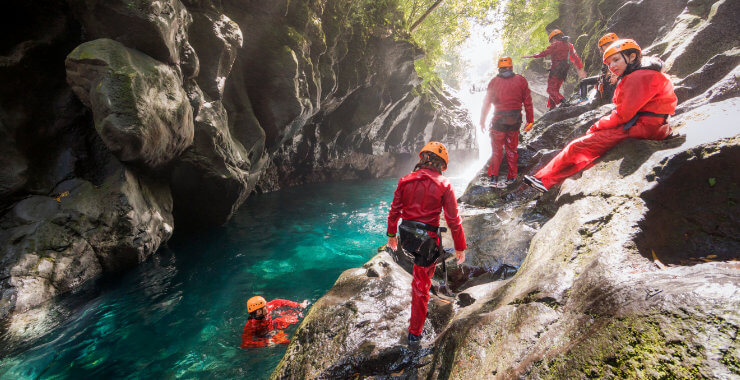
point(180, 314)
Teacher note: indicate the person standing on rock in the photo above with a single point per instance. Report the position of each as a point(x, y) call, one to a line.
point(560, 51)
point(508, 92)
point(606, 82)
point(263, 328)
point(644, 99)
point(419, 199)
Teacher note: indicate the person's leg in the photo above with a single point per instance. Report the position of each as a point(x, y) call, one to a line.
point(420, 297)
point(578, 154)
point(497, 146)
point(553, 90)
point(512, 141)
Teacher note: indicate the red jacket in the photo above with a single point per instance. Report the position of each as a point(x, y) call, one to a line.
point(641, 90)
point(420, 196)
point(561, 50)
point(509, 94)
point(258, 332)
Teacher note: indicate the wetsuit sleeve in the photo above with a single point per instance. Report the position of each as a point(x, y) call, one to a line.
point(545, 52)
point(574, 57)
point(635, 93)
point(395, 213)
point(452, 217)
point(528, 101)
point(276, 303)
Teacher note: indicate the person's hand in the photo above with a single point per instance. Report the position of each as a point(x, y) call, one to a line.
point(305, 304)
point(393, 243)
point(460, 255)
point(528, 127)
point(483, 127)
point(581, 73)
point(613, 78)
point(527, 56)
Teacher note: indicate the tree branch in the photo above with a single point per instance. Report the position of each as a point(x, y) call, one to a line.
point(423, 16)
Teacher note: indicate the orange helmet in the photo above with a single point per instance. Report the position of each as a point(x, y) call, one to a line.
point(607, 39)
point(554, 33)
point(620, 46)
point(505, 62)
point(255, 303)
point(438, 149)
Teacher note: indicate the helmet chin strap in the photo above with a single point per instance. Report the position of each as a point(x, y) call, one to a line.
point(631, 66)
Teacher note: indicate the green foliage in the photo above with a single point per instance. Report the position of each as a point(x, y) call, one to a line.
point(524, 26)
point(442, 32)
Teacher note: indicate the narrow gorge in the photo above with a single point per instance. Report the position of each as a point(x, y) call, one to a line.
point(148, 144)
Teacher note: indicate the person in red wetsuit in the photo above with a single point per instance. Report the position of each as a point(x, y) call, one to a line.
point(560, 51)
point(507, 92)
point(263, 328)
point(419, 199)
point(644, 99)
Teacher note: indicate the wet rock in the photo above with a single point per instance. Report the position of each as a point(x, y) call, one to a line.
point(55, 243)
point(589, 289)
point(158, 29)
point(356, 329)
point(139, 106)
point(216, 39)
point(214, 171)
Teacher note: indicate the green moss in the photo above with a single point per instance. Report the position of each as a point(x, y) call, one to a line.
point(630, 348)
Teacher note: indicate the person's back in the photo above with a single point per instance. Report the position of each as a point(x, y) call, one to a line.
point(509, 93)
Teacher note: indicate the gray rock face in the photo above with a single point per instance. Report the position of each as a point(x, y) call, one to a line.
point(139, 107)
point(630, 268)
point(216, 99)
point(158, 28)
point(55, 243)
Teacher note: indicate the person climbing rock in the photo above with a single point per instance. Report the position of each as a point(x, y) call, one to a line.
point(419, 198)
point(508, 92)
point(560, 51)
point(606, 82)
point(265, 326)
point(644, 99)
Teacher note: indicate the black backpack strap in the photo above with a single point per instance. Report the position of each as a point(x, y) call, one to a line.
point(631, 122)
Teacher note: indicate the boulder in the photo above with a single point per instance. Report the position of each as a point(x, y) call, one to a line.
point(55, 243)
point(139, 106)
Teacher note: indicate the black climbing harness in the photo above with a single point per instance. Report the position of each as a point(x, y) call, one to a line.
point(631, 122)
point(416, 240)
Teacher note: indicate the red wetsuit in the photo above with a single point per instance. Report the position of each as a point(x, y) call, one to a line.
point(639, 91)
point(560, 51)
point(268, 331)
point(507, 93)
point(421, 196)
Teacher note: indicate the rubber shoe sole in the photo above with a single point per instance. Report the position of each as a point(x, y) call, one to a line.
point(535, 183)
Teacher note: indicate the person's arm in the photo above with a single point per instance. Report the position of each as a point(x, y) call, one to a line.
point(573, 56)
point(528, 110)
point(454, 222)
point(276, 303)
point(543, 53)
point(393, 215)
point(634, 94)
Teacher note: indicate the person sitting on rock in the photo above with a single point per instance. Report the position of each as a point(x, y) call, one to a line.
point(606, 82)
point(419, 199)
point(560, 51)
point(508, 92)
point(263, 328)
point(644, 99)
